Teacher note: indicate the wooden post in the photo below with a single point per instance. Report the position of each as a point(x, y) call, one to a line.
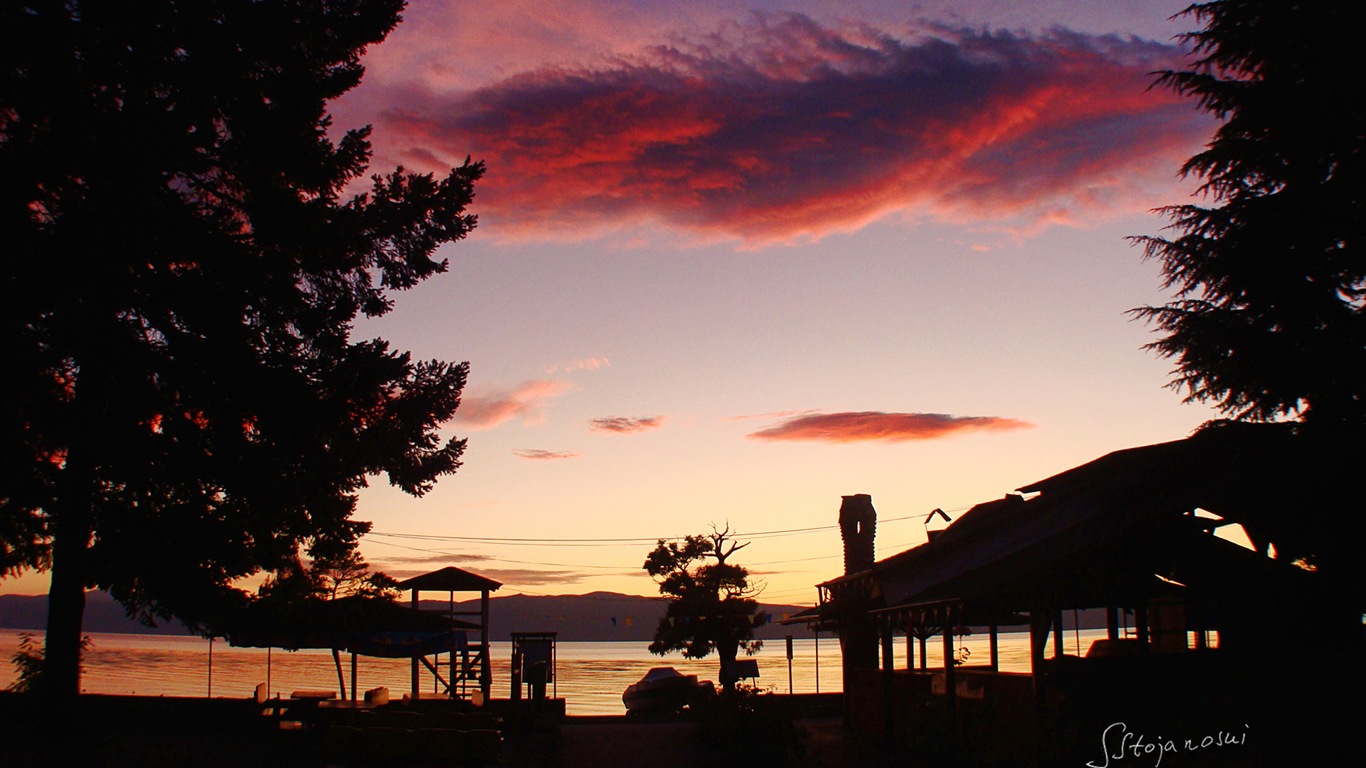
point(353, 675)
point(485, 673)
point(993, 636)
point(789, 665)
point(815, 630)
point(888, 670)
point(416, 691)
point(450, 666)
point(1112, 623)
point(1038, 644)
point(950, 681)
point(341, 681)
point(1057, 634)
point(910, 650)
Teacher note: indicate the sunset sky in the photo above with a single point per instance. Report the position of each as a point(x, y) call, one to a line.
point(736, 259)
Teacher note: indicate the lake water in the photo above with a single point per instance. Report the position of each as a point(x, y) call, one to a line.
point(591, 675)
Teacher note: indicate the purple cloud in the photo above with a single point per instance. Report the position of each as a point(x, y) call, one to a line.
point(787, 128)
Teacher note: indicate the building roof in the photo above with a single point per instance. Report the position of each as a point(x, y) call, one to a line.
point(1119, 527)
point(450, 579)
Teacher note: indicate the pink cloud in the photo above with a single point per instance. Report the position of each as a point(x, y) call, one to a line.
point(526, 401)
point(540, 454)
point(586, 364)
point(787, 128)
point(626, 424)
point(862, 426)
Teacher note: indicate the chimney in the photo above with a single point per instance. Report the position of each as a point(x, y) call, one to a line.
point(858, 523)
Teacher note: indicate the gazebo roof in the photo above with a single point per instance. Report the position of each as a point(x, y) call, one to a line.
point(450, 579)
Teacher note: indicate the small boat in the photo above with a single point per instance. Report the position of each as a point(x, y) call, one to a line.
point(662, 689)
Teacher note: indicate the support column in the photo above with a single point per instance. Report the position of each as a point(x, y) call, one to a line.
point(416, 690)
point(1038, 645)
point(485, 673)
point(1057, 634)
point(950, 681)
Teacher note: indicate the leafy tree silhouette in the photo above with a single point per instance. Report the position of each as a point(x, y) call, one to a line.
point(1270, 314)
point(184, 402)
point(712, 602)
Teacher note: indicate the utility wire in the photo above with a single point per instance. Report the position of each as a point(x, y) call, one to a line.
point(619, 542)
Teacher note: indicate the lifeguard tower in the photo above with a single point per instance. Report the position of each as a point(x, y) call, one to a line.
point(468, 662)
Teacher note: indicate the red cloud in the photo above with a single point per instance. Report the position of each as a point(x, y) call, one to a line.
point(859, 426)
point(624, 424)
point(484, 411)
point(802, 130)
point(540, 454)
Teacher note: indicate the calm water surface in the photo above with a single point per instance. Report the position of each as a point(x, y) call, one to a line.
point(591, 675)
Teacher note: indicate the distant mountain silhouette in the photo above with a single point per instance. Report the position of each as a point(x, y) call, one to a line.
point(594, 617)
point(102, 614)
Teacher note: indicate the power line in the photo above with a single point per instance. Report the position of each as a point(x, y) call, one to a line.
point(611, 542)
point(619, 542)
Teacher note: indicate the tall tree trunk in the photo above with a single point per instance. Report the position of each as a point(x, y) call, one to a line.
point(728, 651)
point(71, 536)
point(61, 677)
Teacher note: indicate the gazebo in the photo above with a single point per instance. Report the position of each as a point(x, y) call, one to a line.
point(474, 656)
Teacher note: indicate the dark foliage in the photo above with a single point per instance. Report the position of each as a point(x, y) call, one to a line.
point(1269, 318)
point(744, 726)
point(184, 402)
